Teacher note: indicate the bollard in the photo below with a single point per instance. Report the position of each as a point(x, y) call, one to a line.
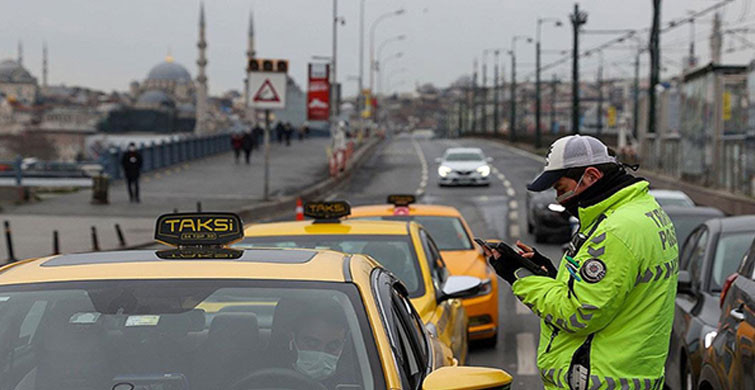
point(9, 242)
point(199, 207)
point(119, 233)
point(175, 211)
point(95, 242)
point(55, 243)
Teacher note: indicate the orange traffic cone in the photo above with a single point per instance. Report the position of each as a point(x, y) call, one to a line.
point(299, 210)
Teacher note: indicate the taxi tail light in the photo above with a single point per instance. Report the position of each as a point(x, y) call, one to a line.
point(727, 284)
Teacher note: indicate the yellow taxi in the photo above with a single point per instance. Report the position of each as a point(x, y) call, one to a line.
point(460, 253)
point(405, 248)
point(206, 316)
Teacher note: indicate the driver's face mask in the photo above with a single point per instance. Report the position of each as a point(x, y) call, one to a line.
point(317, 365)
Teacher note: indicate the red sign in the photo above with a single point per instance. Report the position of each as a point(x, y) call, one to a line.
point(318, 96)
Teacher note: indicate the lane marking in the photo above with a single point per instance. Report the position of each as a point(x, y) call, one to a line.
point(513, 215)
point(507, 183)
point(514, 231)
point(520, 308)
point(423, 162)
point(513, 204)
point(510, 191)
point(525, 354)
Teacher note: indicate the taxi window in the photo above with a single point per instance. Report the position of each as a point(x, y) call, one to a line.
point(434, 260)
point(394, 252)
point(180, 334)
point(448, 232)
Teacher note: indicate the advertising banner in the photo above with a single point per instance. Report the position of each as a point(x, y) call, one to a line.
point(318, 95)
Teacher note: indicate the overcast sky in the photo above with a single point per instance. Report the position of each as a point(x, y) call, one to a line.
point(106, 44)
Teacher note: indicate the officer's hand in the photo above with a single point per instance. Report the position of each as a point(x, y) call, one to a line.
point(531, 253)
point(505, 261)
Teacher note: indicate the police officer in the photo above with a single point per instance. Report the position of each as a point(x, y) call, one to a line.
point(606, 313)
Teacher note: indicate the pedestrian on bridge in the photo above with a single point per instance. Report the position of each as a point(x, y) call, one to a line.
point(132, 168)
point(236, 144)
point(247, 143)
point(606, 312)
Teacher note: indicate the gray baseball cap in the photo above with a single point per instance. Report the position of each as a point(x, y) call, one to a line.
point(572, 151)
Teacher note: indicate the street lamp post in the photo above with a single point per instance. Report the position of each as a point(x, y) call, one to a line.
point(538, 103)
point(512, 52)
point(495, 91)
point(383, 65)
point(578, 18)
point(383, 45)
point(372, 41)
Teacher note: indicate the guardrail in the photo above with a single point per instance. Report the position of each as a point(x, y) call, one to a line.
point(155, 155)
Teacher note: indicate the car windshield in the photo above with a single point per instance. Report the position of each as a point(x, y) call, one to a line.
point(394, 252)
point(447, 232)
point(184, 334)
point(730, 250)
point(464, 157)
point(684, 224)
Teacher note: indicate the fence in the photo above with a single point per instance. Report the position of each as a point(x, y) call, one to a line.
point(154, 156)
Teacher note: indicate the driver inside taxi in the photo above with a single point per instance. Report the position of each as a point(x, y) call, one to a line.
point(317, 342)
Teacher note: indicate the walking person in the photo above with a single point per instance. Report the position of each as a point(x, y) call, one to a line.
point(279, 130)
point(288, 130)
point(131, 162)
point(258, 134)
point(606, 313)
point(247, 143)
point(236, 143)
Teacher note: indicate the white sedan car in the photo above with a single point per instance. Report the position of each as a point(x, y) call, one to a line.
point(463, 166)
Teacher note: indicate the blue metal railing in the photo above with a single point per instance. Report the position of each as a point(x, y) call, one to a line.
point(155, 155)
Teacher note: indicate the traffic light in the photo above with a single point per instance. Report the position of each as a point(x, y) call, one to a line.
point(267, 65)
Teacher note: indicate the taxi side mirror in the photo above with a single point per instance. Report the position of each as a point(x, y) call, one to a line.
point(458, 378)
point(459, 287)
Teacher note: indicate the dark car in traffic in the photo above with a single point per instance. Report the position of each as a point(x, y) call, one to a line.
point(546, 219)
point(730, 361)
point(711, 253)
point(686, 219)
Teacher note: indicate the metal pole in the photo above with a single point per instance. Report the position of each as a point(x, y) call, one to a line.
point(578, 18)
point(9, 242)
point(655, 64)
point(636, 97)
point(55, 243)
point(537, 88)
point(474, 98)
point(512, 120)
point(599, 113)
point(334, 60)
point(266, 190)
point(554, 91)
point(119, 233)
point(360, 98)
point(495, 94)
point(95, 241)
point(483, 109)
point(199, 206)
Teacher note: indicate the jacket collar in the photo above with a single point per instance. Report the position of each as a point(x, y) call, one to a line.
point(588, 214)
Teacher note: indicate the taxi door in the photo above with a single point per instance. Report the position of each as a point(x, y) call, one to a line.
point(449, 319)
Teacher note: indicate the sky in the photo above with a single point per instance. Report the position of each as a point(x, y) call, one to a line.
point(106, 44)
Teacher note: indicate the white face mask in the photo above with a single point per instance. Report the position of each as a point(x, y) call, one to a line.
point(568, 194)
point(315, 364)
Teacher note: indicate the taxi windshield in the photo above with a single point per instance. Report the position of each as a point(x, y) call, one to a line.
point(394, 252)
point(464, 157)
point(447, 232)
point(185, 334)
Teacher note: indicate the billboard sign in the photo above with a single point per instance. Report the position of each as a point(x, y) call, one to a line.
point(318, 95)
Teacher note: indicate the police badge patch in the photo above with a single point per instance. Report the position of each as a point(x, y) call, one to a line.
point(593, 271)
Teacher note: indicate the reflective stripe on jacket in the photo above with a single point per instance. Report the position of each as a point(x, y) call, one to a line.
point(606, 318)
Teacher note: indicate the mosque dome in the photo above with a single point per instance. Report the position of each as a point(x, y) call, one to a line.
point(169, 70)
point(12, 72)
point(154, 98)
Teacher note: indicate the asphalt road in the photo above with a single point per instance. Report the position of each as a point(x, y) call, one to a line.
point(405, 164)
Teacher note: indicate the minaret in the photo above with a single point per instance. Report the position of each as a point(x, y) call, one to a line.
point(44, 65)
point(249, 54)
point(202, 115)
point(20, 53)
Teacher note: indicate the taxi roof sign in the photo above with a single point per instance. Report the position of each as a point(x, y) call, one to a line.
point(401, 199)
point(199, 229)
point(327, 210)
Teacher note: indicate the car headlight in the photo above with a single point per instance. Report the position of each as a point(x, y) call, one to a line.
point(443, 171)
point(556, 208)
point(484, 170)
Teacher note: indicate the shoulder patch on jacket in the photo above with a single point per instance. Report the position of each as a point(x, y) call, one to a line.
point(593, 270)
